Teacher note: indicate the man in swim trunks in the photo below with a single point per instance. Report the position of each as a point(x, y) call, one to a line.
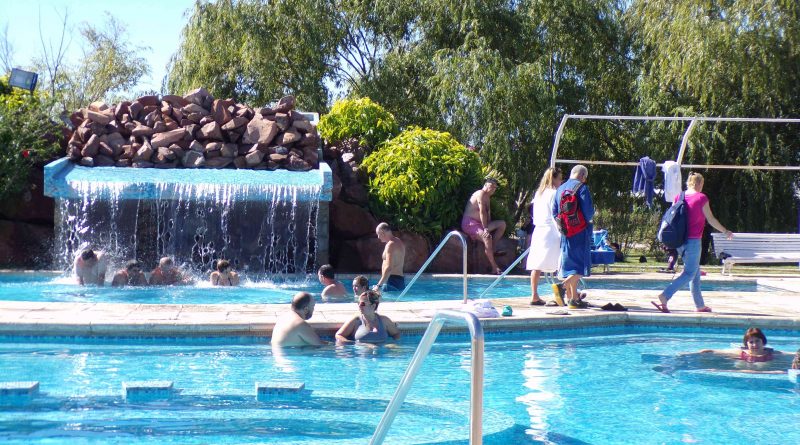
point(90, 268)
point(292, 329)
point(477, 223)
point(131, 275)
point(394, 256)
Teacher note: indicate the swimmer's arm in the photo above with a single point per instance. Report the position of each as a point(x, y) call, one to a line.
point(346, 331)
point(309, 336)
point(214, 278)
point(391, 327)
point(234, 279)
point(118, 280)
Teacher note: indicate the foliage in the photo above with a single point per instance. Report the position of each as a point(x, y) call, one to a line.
point(110, 65)
point(27, 136)
point(358, 118)
point(421, 179)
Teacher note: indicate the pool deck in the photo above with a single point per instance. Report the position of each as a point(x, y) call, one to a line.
point(778, 308)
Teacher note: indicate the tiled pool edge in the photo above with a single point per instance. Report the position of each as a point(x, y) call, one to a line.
point(68, 319)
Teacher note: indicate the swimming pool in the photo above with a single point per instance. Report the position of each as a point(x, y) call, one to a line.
point(565, 387)
point(49, 287)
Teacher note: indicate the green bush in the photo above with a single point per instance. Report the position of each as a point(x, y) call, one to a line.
point(28, 136)
point(358, 118)
point(421, 180)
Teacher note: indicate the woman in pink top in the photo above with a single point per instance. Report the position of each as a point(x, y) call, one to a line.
point(698, 212)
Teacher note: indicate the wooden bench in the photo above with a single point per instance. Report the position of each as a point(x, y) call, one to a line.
point(757, 248)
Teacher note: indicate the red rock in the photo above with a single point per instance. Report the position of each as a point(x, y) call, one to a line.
point(100, 118)
point(175, 101)
point(197, 96)
point(194, 108)
point(167, 138)
point(193, 159)
point(206, 119)
point(310, 140)
point(355, 193)
point(123, 163)
point(144, 153)
point(288, 137)
point(191, 131)
point(105, 150)
point(240, 162)
point(285, 104)
point(142, 130)
point(92, 146)
point(197, 146)
point(234, 123)
point(254, 158)
point(297, 164)
point(210, 131)
point(219, 162)
point(159, 127)
point(282, 119)
point(87, 161)
point(98, 106)
point(148, 101)
point(220, 111)
point(142, 164)
point(103, 161)
point(350, 221)
point(303, 126)
point(260, 131)
point(278, 158)
point(229, 150)
point(135, 109)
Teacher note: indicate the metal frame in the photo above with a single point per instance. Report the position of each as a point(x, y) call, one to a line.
point(433, 255)
point(424, 348)
point(684, 141)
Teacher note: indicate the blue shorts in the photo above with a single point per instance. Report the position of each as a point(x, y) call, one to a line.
point(395, 283)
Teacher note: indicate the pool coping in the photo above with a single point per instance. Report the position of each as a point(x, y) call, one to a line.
point(775, 309)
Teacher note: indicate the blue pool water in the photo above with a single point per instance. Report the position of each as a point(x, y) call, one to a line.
point(48, 287)
point(549, 387)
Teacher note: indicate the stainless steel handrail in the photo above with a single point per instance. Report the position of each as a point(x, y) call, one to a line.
point(476, 378)
point(505, 272)
point(433, 255)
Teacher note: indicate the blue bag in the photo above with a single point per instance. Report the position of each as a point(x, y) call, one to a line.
point(674, 224)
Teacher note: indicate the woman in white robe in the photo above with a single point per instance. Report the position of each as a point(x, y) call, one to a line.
point(545, 240)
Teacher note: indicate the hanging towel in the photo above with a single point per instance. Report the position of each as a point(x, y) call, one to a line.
point(644, 177)
point(672, 180)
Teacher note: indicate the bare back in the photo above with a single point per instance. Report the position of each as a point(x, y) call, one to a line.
point(291, 330)
point(394, 256)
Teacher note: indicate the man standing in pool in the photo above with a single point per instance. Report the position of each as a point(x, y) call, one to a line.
point(394, 256)
point(477, 223)
point(90, 268)
point(576, 259)
point(292, 329)
point(334, 290)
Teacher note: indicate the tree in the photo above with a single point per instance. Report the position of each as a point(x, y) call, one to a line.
point(728, 58)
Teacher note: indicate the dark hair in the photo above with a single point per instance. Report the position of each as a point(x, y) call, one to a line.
point(326, 270)
point(753, 332)
point(361, 281)
point(131, 264)
point(88, 254)
point(222, 265)
point(301, 300)
point(374, 297)
point(489, 179)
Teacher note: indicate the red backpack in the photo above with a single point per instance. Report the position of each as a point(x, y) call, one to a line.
point(570, 218)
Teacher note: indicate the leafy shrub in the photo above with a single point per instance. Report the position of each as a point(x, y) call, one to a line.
point(27, 136)
point(358, 118)
point(421, 179)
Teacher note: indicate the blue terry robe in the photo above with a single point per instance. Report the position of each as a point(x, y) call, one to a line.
point(576, 255)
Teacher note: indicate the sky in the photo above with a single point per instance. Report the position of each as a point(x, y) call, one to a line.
point(154, 24)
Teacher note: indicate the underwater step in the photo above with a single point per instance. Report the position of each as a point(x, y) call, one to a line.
point(147, 390)
point(18, 393)
point(279, 390)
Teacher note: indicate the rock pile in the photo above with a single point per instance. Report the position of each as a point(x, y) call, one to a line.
point(193, 131)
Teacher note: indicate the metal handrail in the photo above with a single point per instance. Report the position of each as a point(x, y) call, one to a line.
point(505, 272)
point(433, 255)
point(476, 378)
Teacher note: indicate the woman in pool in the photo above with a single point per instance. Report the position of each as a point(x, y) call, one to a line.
point(224, 276)
point(751, 357)
point(546, 240)
point(368, 326)
point(699, 211)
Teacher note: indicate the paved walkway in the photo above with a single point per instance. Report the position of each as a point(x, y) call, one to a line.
point(778, 308)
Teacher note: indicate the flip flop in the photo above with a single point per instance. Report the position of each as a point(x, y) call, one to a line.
point(558, 293)
point(704, 309)
point(660, 307)
point(620, 308)
point(537, 303)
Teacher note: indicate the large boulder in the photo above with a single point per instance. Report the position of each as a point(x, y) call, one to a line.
point(349, 221)
point(260, 131)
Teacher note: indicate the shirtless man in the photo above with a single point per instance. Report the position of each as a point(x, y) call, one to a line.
point(477, 223)
point(131, 275)
point(166, 274)
point(90, 268)
point(291, 329)
point(334, 290)
point(394, 255)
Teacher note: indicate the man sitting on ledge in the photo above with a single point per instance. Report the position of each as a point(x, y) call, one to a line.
point(477, 223)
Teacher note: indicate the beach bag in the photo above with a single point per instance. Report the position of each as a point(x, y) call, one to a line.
point(570, 218)
point(674, 224)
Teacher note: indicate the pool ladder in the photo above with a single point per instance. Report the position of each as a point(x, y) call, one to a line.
point(433, 255)
point(424, 348)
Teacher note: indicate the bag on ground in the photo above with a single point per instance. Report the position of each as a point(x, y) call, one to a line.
point(673, 230)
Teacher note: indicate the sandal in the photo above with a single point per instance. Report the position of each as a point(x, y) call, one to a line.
point(538, 302)
point(704, 309)
point(660, 307)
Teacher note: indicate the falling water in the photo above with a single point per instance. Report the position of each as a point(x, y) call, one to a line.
point(263, 229)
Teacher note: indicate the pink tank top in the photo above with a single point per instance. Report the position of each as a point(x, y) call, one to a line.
point(696, 218)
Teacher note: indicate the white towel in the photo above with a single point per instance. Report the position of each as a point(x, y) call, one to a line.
point(672, 180)
point(481, 309)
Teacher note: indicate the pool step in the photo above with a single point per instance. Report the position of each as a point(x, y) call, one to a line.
point(290, 390)
point(13, 393)
point(145, 390)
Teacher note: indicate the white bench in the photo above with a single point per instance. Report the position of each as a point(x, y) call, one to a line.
point(758, 248)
